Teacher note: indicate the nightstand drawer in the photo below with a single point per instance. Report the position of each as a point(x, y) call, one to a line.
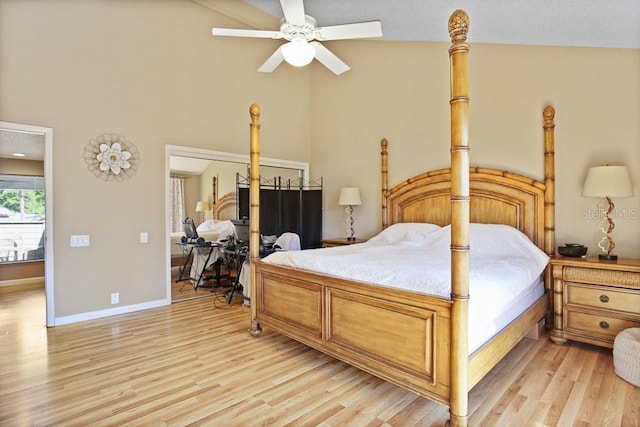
point(602, 276)
point(595, 324)
point(618, 299)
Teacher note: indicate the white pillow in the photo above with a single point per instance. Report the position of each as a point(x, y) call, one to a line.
point(208, 225)
point(503, 241)
point(406, 231)
point(498, 241)
point(222, 227)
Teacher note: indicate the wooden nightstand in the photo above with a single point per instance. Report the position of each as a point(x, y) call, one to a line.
point(327, 243)
point(594, 300)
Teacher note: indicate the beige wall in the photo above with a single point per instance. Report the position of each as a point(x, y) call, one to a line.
point(226, 174)
point(151, 71)
point(191, 197)
point(401, 91)
point(21, 167)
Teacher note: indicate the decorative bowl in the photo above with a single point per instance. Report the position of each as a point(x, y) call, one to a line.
point(572, 250)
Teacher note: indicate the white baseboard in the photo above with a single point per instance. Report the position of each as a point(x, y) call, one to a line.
point(65, 320)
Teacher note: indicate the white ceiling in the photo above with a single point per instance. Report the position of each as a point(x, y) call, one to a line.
point(29, 144)
point(187, 165)
point(586, 23)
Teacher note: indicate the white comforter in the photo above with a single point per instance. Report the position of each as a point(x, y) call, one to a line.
point(416, 257)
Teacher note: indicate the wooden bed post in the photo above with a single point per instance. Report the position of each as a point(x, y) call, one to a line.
point(254, 210)
point(385, 181)
point(214, 190)
point(548, 115)
point(459, 103)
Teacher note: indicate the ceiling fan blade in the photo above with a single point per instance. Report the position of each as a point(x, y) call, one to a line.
point(273, 62)
point(265, 34)
point(293, 11)
point(350, 31)
point(329, 60)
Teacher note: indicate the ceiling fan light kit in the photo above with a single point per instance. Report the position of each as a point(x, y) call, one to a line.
point(298, 52)
point(302, 35)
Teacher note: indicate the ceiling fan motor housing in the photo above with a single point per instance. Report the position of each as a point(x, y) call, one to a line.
point(308, 30)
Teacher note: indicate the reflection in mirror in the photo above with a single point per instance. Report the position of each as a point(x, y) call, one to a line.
point(205, 180)
point(194, 180)
point(195, 176)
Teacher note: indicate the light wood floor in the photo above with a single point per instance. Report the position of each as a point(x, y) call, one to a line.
point(183, 290)
point(192, 363)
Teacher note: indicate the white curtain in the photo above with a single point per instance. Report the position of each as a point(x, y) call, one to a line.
point(177, 203)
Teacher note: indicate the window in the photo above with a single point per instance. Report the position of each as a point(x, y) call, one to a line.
point(177, 203)
point(22, 210)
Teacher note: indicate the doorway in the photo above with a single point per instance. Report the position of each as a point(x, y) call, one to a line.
point(21, 132)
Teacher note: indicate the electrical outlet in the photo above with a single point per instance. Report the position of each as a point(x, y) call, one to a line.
point(115, 298)
point(144, 237)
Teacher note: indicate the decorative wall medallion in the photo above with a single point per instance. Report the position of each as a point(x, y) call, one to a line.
point(111, 157)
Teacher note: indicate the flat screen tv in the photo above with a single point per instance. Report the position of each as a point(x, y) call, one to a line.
point(189, 228)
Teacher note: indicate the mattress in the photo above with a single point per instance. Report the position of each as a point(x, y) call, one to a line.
point(483, 327)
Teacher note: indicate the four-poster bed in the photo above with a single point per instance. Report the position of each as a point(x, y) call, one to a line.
point(412, 339)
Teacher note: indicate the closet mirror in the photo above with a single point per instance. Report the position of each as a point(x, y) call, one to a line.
point(198, 184)
point(202, 185)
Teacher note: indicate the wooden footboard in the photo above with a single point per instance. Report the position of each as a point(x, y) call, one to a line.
point(395, 335)
point(398, 336)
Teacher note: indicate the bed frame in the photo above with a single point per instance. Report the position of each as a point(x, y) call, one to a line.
point(415, 341)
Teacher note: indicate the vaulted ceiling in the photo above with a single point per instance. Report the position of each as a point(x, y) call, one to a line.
point(586, 23)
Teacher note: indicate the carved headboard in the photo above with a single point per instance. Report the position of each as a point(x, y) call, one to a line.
point(225, 207)
point(497, 197)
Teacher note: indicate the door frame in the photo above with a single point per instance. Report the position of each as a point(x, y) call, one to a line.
point(48, 217)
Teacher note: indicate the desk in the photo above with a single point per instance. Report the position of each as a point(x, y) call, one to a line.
point(198, 256)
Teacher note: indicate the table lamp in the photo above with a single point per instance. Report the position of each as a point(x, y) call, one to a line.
point(202, 207)
point(349, 197)
point(607, 182)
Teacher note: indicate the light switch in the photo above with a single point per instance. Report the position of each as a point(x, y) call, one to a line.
point(80, 240)
point(144, 237)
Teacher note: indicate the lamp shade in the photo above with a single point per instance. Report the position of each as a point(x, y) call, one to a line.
point(203, 206)
point(298, 52)
point(607, 181)
point(349, 196)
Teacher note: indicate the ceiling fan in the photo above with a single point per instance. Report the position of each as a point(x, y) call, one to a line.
point(303, 36)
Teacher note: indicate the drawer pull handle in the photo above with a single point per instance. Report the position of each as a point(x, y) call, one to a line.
point(604, 298)
point(604, 325)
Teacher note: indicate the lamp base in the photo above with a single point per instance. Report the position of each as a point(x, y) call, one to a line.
point(608, 257)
